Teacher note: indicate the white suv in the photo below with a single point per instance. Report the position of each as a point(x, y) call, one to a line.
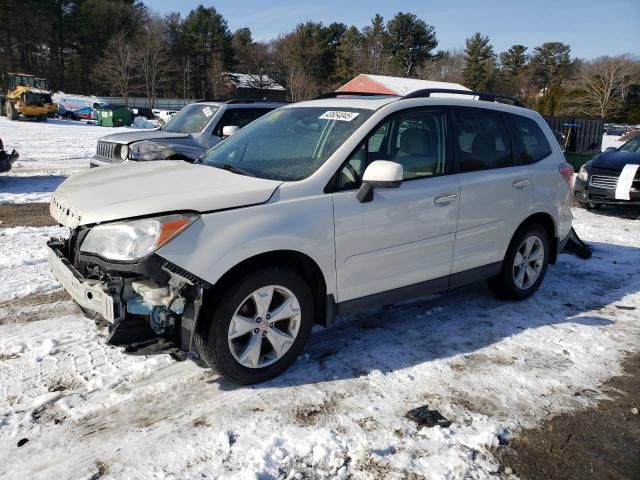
point(316, 209)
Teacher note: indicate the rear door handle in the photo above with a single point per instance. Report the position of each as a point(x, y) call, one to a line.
point(445, 199)
point(520, 183)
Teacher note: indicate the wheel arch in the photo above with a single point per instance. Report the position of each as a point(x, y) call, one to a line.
point(547, 222)
point(294, 260)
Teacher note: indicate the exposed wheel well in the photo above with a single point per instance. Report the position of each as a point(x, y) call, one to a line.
point(299, 262)
point(545, 221)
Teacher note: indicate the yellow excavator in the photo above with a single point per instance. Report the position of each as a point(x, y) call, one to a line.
point(27, 96)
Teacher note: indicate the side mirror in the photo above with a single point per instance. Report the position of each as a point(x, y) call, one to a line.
point(610, 149)
point(229, 130)
point(380, 174)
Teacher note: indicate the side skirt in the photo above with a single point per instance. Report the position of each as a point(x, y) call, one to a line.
point(411, 291)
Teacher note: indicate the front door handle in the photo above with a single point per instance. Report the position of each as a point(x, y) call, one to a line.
point(520, 183)
point(445, 199)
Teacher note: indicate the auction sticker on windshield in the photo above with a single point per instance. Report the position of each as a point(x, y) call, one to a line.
point(343, 116)
point(207, 111)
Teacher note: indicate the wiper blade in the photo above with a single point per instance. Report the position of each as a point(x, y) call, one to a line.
point(231, 168)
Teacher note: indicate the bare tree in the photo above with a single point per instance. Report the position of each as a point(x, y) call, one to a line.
point(152, 58)
point(606, 82)
point(116, 69)
point(218, 78)
point(293, 69)
point(444, 67)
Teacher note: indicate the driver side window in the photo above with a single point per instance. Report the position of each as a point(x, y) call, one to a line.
point(414, 139)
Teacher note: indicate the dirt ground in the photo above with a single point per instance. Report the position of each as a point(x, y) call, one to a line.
point(25, 215)
point(599, 443)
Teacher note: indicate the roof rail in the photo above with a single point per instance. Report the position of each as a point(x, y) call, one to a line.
point(254, 100)
point(484, 96)
point(240, 100)
point(357, 94)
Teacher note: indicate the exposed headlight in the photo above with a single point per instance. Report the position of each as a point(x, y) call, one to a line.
point(583, 174)
point(136, 239)
point(124, 152)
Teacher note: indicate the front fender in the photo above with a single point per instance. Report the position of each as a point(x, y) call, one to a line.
point(219, 241)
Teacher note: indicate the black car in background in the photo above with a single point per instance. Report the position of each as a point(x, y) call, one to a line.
point(6, 158)
point(597, 181)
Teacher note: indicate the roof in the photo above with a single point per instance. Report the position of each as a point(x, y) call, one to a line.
point(394, 85)
point(250, 80)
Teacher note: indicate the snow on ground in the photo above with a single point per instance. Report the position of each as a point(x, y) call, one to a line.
point(23, 261)
point(49, 152)
point(490, 367)
point(611, 141)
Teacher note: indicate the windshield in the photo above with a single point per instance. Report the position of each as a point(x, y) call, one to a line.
point(289, 143)
point(632, 145)
point(191, 119)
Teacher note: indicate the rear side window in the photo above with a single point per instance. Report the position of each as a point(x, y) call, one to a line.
point(481, 140)
point(532, 144)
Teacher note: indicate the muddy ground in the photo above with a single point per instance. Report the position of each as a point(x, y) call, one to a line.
point(599, 443)
point(26, 215)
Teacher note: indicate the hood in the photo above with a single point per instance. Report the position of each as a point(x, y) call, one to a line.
point(148, 188)
point(615, 159)
point(129, 137)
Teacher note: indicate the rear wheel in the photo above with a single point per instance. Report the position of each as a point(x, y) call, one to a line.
point(259, 327)
point(525, 264)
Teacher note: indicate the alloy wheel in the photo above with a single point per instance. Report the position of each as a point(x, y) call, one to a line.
point(264, 326)
point(528, 262)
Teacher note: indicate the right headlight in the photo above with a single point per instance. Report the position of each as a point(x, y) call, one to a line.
point(132, 240)
point(583, 175)
point(124, 152)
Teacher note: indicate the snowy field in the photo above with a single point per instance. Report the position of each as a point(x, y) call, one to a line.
point(71, 407)
point(49, 152)
point(489, 367)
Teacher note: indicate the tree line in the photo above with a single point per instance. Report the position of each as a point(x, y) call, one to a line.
point(119, 47)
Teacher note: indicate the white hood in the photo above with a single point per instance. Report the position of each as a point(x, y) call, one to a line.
point(148, 188)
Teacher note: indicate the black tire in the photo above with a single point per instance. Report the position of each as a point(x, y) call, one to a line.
point(211, 338)
point(594, 206)
point(504, 285)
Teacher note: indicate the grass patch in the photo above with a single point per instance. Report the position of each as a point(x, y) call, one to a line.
point(577, 159)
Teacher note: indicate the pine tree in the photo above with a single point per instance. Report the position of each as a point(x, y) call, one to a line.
point(551, 64)
point(479, 61)
point(374, 58)
point(410, 42)
point(348, 56)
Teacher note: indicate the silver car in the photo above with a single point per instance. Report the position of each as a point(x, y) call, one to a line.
point(186, 136)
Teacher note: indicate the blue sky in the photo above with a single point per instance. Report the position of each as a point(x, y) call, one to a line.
point(592, 28)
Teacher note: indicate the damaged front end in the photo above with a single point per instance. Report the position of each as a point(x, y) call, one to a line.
point(143, 300)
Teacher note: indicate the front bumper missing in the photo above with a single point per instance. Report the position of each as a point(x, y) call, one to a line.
point(89, 294)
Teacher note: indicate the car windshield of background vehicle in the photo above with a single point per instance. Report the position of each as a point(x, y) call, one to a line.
point(191, 119)
point(287, 144)
point(632, 145)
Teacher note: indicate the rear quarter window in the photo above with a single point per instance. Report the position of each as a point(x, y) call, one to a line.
point(531, 142)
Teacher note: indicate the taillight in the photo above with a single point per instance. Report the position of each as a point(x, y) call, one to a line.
point(566, 170)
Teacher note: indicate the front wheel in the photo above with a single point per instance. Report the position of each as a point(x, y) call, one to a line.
point(525, 264)
point(259, 327)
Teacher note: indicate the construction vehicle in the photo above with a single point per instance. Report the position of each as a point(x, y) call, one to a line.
point(27, 96)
